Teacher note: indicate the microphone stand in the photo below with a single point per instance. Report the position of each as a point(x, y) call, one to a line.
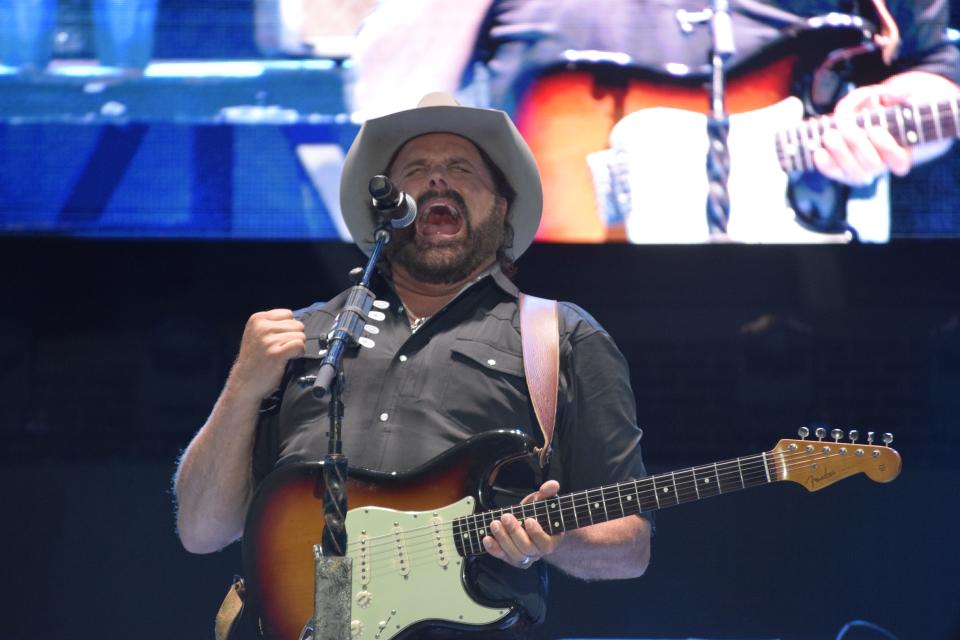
point(718, 123)
point(722, 49)
point(332, 605)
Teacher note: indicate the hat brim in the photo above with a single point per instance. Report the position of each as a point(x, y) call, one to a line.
point(491, 130)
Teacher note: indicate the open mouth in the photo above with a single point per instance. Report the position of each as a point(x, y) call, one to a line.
point(440, 218)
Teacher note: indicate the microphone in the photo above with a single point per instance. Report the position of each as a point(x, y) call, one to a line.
point(396, 206)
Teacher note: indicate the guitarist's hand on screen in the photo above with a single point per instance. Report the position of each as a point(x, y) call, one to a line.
point(270, 339)
point(523, 543)
point(856, 155)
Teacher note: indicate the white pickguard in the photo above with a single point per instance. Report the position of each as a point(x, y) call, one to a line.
point(661, 154)
point(406, 569)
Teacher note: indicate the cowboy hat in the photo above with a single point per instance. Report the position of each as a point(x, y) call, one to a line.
point(489, 129)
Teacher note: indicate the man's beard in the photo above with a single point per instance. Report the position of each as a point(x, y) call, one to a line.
point(452, 261)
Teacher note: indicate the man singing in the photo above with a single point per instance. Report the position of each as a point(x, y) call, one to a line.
point(447, 360)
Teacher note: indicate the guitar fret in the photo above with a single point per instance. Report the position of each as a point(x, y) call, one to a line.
point(766, 467)
point(457, 532)
point(717, 475)
point(755, 471)
point(573, 503)
point(729, 481)
point(472, 533)
point(898, 114)
point(645, 502)
point(602, 502)
point(955, 109)
point(740, 471)
point(706, 486)
point(557, 509)
point(466, 539)
point(918, 123)
point(935, 116)
point(683, 488)
point(663, 493)
point(801, 145)
point(545, 521)
point(808, 145)
point(818, 136)
point(791, 151)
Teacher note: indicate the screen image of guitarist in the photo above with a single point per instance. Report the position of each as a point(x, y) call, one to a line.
point(612, 104)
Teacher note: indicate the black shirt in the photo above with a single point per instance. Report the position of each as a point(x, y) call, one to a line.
point(413, 395)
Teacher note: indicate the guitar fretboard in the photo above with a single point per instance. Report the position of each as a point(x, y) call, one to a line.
point(910, 124)
point(584, 508)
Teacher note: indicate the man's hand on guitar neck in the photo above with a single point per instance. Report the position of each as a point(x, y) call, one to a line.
point(856, 156)
point(522, 544)
point(607, 550)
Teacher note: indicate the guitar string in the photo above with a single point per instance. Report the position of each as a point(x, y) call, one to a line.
point(420, 551)
point(577, 502)
point(727, 469)
point(431, 552)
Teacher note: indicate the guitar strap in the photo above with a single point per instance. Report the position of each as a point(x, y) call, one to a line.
point(889, 37)
point(230, 610)
point(540, 338)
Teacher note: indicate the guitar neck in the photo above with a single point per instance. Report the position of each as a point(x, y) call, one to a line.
point(584, 508)
point(910, 124)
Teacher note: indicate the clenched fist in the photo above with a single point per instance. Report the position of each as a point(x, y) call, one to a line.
point(270, 339)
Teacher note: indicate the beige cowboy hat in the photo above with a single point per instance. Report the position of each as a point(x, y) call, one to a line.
point(491, 130)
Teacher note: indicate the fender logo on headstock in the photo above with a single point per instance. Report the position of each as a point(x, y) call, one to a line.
point(813, 480)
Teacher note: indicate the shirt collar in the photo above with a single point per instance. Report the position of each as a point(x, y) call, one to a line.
point(501, 279)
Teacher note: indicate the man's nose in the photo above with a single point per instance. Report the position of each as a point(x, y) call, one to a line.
point(438, 176)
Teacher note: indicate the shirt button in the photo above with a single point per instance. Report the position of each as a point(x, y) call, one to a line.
point(403, 358)
point(491, 362)
point(384, 417)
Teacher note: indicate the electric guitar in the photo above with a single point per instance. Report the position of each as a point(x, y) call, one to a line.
point(622, 147)
point(414, 537)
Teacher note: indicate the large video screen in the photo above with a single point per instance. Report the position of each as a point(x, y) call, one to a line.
point(156, 118)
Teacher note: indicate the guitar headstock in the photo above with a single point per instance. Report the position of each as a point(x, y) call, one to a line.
point(816, 464)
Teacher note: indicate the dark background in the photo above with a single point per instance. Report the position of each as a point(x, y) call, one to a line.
point(113, 352)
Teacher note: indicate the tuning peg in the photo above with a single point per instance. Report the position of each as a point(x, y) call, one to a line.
point(820, 432)
point(836, 434)
point(803, 432)
point(853, 435)
point(377, 316)
point(869, 437)
point(355, 274)
point(381, 304)
point(887, 438)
